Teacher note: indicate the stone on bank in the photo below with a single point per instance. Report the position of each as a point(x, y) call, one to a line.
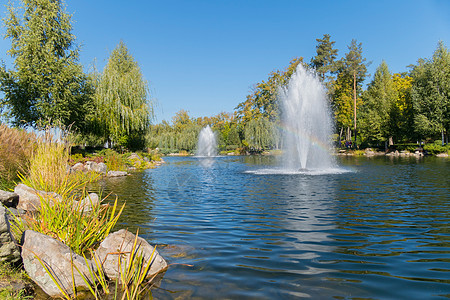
point(9, 251)
point(58, 258)
point(121, 243)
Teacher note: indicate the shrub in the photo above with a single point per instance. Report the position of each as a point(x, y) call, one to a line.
point(113, 160)
point(436, 148)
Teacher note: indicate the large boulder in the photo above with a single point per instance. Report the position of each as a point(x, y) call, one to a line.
point(30, 199)
point(9, 251)
point(9, 199)
point(59, 258)
point(121, 243)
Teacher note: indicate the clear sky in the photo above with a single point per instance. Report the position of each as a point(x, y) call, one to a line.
point(204, 55)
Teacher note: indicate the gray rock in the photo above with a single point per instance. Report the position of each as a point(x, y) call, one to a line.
point(87, 203)
point(9, 251)
point(30, 199)
point(134, 156)
point(78, 167)
point(100, 168)
point(9, 199)
point(122, 242)
point(58, 258)
point(117, 173)
point(96, 167)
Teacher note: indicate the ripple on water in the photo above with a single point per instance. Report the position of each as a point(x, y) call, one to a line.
point(372, 228)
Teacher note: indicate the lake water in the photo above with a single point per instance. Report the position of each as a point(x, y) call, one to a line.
point(378, 230)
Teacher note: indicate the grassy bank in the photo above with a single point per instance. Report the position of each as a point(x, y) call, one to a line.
point(42, 164)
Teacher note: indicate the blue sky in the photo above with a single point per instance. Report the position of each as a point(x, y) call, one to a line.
point(204, 55)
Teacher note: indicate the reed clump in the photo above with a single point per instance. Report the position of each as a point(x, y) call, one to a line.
point(16, 150)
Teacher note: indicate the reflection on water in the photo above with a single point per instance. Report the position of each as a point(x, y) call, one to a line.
point(380, 231)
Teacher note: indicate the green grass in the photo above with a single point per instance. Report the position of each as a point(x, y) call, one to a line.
point(9, 274)
point(67, 221)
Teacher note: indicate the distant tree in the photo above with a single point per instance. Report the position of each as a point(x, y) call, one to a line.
point(379, 105)
point(402, 115)
point(123, 106)
point(47, 84)
point(431, 94)
point(342, 104)
point(324, 61)
point(260, 134)
point(355, 66)
point(263, 100)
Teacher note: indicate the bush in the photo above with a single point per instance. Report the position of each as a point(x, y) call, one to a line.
point(410, 147)
point(436, 148)
point(113, 160)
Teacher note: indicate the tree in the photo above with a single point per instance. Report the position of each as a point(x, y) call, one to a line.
point(402, 115)
point(378, 107)
point(431, 94)
point(263, 100)
point(353, 64)
point(261, 107)
point(324, 61)
point(123, 107)
point(342, 104)
point(47, 84)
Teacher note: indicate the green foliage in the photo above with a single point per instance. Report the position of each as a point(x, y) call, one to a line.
point(8, 274)
point(260, 134)
point(431, 93)
point(379, 105)
point(436, 148)
point(263, 100)
point(122, 107)
point(324, 61)
point(113, 160)
point(70, 222)
point(47, 84)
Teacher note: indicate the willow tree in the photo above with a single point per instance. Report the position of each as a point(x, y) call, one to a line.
point(47, 82)
point(122, 100)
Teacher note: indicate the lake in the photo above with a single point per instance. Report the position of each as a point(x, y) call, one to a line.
point(377, 230)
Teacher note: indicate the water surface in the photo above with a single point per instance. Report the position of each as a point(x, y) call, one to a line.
point(379, 230)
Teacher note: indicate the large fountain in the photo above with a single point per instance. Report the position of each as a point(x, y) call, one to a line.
point(207, 145)
point(307, 126)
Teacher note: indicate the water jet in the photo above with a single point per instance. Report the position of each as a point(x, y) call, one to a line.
point(207, 144)
point(306, 122)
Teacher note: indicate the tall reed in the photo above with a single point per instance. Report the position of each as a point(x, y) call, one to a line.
point(48, 166)
point(16, 150)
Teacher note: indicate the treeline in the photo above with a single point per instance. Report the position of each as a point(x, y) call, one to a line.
point(48, 87)
point(395, 108)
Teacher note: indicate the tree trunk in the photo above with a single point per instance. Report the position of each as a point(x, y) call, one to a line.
point(443, 139)
point(354, 103)
point(340, 137)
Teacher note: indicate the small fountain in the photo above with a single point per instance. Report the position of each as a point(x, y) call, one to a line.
point(306, 119)
point(207, 145)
